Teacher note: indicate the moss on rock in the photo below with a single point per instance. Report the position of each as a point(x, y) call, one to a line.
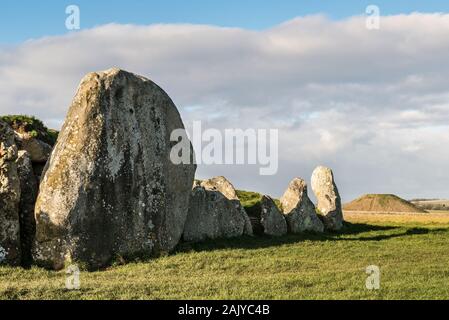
point(32, 126)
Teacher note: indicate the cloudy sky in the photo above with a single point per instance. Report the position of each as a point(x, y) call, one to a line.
point(371, 104)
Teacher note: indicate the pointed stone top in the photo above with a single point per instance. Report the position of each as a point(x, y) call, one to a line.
point(328, 197)
point(298, 184)
point(112, 73)
point(222, 185)
point(293, 195)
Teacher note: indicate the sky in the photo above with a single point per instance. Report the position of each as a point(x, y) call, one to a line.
point(21, 20)
point(371, 104)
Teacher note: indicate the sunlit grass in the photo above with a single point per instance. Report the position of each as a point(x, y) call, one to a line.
point(413, 256)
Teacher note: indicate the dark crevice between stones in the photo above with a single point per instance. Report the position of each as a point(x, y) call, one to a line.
point(27, 233)
point(27, 224)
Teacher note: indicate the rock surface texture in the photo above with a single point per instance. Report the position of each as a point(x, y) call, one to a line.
point(329, 201)
point(110, 189)
point(215, 212)
point(9, 198)
point(28, 194)
point(299, 210)
point(223, 185)
point(38, 151)
point(271, 219)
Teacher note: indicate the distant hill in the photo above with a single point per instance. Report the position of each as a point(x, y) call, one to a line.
point(382, 203)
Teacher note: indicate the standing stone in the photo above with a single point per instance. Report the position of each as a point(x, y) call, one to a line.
point(329, 201)
point(9, 198)
point(212, 216)
point(28, 195)
point(110, 189)
point(223, 185)
point(38, 151)
point(215, 212)
point(299, 210)
point(271, 219)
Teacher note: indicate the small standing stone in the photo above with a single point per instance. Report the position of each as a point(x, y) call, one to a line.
point(271, 219)
point(299, 209)
point(329, 201)
point(224, 186)
point(38, 151)
point(215, 212)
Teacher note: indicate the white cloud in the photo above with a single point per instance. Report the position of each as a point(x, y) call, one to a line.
point(372, 104)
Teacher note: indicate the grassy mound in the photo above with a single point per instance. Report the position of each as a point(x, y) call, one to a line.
point(251, 201)
point(33, 126)
point(248, 198)
point(382, 203)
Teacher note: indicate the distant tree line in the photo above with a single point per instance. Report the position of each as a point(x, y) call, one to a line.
point(432, 206)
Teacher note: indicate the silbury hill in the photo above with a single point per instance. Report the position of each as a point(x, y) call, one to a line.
point(382, 203)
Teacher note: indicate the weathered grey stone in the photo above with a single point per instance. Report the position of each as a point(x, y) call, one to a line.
point(109, 188)
point(271, 219)
point(9, 198)
point(28, 195)
point(329, 201)
point(299, 210)
point(247, 228)
point(224, 186)
point(38, 150)
point(212, 216)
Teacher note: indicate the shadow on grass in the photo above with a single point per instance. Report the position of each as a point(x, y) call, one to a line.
point(349, 233)
point(408, 232)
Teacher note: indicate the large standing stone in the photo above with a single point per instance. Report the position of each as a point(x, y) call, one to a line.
point(9, 198)
point(299, 210)
point(32, 136)
point(28, 195)
point(215, 212)
point(329, 201)
point(110, 188)
point(271, 219)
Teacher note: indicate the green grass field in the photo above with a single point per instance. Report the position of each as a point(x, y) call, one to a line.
point(413, 256)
